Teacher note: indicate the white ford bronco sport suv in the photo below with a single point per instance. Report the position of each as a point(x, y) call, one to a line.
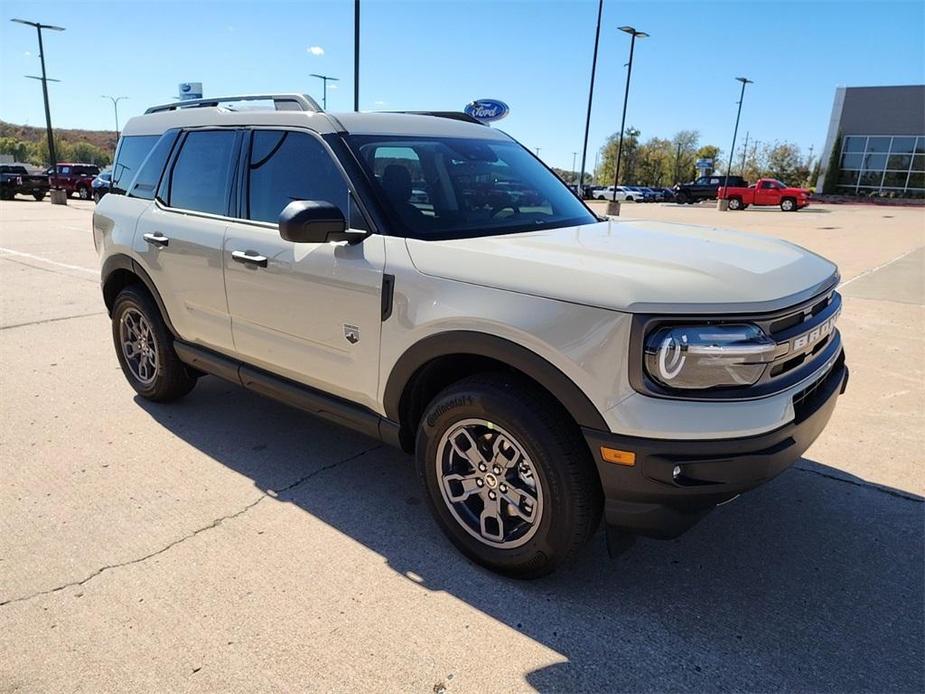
point(428, 282)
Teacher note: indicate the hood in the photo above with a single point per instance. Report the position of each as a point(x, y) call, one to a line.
point(635, 266)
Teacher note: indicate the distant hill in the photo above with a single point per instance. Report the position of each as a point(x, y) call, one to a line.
point(29, 144)
point(104, 139)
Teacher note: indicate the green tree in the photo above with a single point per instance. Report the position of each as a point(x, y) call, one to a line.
point(684, 144)
point(605, 171)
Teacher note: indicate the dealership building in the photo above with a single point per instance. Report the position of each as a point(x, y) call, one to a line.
point(878, 135)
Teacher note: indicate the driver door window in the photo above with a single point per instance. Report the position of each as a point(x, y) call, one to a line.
point(286, 166)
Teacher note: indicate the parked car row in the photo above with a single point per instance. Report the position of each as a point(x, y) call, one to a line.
point(83, 180)
point(629, 193)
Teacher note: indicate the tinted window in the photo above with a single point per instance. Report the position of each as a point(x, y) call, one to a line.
point(460, 188)
point(145, 183)
point(199, 180)
point(286, 166)
point(132, 151)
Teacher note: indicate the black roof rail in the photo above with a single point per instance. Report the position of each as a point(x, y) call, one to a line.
point(282, 102)
point(452, 115)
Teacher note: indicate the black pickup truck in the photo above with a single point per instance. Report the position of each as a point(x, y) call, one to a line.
point(705, 188)
point(14, 179)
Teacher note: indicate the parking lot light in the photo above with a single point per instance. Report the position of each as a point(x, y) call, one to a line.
point(629, 72)
point(44, 79)
point(744, 81)
point(115, 106)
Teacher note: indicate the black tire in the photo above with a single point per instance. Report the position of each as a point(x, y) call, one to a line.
point(97, 197)
point(84, 193)
point(39, 196)
point(683, 198)
point(572, 499)
point(171, 379)
point(735, 204)
point(788, 205)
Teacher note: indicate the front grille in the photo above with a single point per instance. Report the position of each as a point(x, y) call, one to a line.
point(799, 324)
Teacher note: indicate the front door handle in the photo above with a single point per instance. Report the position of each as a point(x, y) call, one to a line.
point(157, 239)
point(249, 258)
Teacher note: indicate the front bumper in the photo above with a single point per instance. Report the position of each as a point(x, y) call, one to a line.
point(646, 498)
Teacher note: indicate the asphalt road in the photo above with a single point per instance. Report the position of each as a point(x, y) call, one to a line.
point(228, 543)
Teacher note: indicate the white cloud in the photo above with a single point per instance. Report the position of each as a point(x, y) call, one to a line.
point(27, 54)
point(316, 50)
point(380, 103)
point(332, 86)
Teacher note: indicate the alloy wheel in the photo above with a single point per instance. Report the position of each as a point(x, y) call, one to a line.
point(139, 346)
point(489, 483)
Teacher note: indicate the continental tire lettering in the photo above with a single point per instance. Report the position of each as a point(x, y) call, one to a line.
point(446, 407)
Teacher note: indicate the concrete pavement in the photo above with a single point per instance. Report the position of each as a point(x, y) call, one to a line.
point(226, 542)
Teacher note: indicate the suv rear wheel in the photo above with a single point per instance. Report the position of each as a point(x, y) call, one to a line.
point(507, 475)
point(84, 193)
point(144, 347)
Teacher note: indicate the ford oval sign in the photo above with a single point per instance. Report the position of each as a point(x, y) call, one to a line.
point(487, 110)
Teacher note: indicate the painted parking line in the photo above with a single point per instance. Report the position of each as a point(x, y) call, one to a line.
point(30, 256)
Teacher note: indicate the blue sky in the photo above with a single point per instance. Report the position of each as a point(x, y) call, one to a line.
point(536, 56)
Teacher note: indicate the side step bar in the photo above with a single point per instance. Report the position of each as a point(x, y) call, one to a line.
point(329, 407)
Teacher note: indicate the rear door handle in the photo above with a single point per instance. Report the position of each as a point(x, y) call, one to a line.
point(249, 258)
point(156, 239)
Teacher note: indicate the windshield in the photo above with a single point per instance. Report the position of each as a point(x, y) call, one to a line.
point(439, 188)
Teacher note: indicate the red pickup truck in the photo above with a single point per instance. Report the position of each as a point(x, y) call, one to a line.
point(767, 191)
point(74, 178)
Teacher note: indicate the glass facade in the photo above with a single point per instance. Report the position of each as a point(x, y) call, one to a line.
point(882, 165)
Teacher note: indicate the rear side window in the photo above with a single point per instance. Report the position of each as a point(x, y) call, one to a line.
point(286, 166)
point(200, 177)
point(145, 183)
point(132, 152)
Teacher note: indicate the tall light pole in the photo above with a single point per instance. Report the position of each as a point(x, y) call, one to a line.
point(325, 79)
point(575, 154)
point(744, 81)
point(115, 107)
point(538, 150)
point(629, 72)
point(584, 146)
point(356, 55)
point(44, 79)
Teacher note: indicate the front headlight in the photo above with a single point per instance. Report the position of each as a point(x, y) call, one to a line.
point(707, 356)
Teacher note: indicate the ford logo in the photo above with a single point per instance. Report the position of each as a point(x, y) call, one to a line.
point(487, 110)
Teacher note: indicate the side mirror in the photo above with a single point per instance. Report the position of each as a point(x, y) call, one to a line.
point(315, 221)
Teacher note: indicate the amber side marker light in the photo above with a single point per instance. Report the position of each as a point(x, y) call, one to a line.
point(618, 457)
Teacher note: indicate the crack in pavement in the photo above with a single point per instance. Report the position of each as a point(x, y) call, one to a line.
point(51, 320)
point(270, 493)
point(908, 496)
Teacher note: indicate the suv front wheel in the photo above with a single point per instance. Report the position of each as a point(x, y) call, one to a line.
point(144, 347)
point(507, 475)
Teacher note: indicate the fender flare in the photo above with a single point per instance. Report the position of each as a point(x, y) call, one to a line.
point(464, 342)
point(120, 261)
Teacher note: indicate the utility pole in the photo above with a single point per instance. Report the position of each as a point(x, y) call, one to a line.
point(677, 165)
point(538, 151)
point(809, 163)
point(735, 132)
point(44, 79)
point(744, 152)
point(115, 106)
point(356, 55)
point(629, 72)
point(325, 79)
point(574, 155)
point(584, 146)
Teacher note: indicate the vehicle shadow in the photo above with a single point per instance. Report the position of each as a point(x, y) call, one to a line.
point(809, 583)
